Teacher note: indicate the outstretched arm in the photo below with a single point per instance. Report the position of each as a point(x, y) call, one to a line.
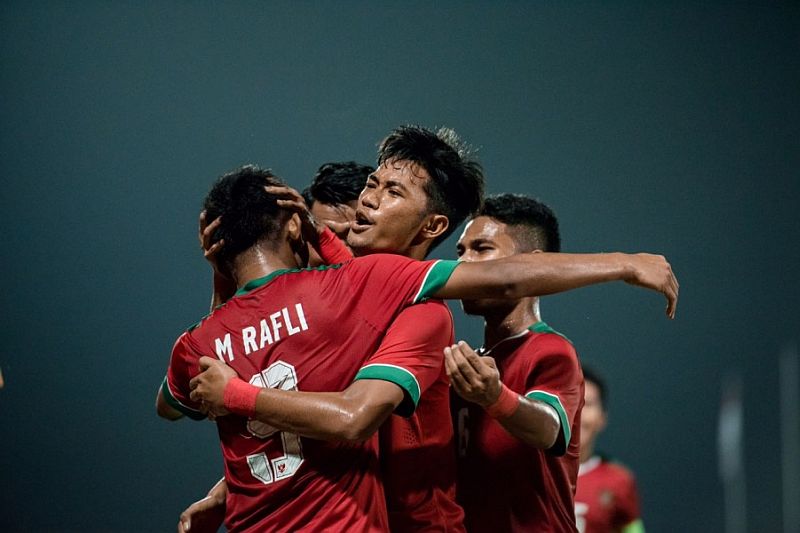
point(539, 274)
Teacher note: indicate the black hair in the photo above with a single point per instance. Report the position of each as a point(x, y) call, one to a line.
point(249, 214)
point(337, 183)
point(455, 187)
point(591, 376)
point(534, 224)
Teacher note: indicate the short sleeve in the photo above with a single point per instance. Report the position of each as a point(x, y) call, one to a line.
point(382, 284)
point(557, 380)
point(411, 353)
point(183, 366)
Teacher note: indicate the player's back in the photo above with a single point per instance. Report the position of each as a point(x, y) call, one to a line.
point(309, 330)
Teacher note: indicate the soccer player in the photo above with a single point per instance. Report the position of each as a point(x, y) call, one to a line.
point(520, 395)
point(606, 500)
point(284, 354)
point(408, 215)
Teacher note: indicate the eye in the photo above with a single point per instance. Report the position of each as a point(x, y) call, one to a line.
point(395, 193)
point(484, 248)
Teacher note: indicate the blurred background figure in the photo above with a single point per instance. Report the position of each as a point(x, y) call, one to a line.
point(606, 499)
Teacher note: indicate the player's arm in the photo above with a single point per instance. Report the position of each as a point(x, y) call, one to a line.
point(538, 274)
point(476, 379)
point(163, 408)
point(353, 414)
point(406, 363)
point(207, 514)
point(321, 236)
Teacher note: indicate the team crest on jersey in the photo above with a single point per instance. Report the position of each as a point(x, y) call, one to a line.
point(606, 498)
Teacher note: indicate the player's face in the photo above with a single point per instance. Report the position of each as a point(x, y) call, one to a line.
point(483, 239)
point(593, 417)
point(391, 210)
point(337, 217)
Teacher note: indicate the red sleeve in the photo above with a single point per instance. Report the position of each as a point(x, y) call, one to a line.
point(382, 284)
point(411, 353)
point(183, 366)
point(627, 500)
point(331, 248)
point(557, 380)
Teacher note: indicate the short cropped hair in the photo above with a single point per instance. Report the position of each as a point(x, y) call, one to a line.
point(591, 376)
point(534, 225)
point(337, 183)
point(456, 185)
point(249, 214)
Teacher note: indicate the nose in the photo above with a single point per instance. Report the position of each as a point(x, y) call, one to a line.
point(369, 199)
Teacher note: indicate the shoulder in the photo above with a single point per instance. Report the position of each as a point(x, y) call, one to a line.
point(549, 343)
point(429, 319)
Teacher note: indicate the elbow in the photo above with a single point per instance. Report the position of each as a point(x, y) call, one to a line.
point(357, 426)
point(164, 410)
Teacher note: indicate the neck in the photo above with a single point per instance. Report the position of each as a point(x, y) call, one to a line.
point(505, 323)
point(257, 262)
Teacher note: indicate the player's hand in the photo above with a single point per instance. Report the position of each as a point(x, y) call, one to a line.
point(208, 245)
point(206, 515)
point(654, 272)
point(475, 378)
point(208, 386)
point(290, 199)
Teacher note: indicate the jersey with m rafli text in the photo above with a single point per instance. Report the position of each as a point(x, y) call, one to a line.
point(505, 485)
point(307, 330)
point(607, 500)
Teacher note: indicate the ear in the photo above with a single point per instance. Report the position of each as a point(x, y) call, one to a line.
point(434, 227)
point(294, 228)
point(603, 421)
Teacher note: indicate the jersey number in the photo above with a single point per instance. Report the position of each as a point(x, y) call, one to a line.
point(278, 375)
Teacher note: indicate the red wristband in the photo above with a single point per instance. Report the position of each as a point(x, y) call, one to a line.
point(239, 397)
point(505, 405)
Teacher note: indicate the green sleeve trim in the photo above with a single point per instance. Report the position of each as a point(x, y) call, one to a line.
point(173, 402)
point(555, 402)
point(637, 526)
point(435, 279)
point(400, 377)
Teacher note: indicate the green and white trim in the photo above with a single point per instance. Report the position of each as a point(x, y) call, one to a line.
point(173, 402)
point(555, 402)
point(400, 377)
point(435, 279)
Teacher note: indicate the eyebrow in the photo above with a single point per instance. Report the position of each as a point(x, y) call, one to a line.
point(395, 183)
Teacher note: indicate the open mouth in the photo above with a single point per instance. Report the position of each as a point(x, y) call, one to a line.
point(361, 222)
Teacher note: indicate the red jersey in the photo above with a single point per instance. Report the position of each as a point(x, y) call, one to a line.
point(606, 500)
point(504, 484)
point(417, 454)
point(418, 459)
point(309, 330)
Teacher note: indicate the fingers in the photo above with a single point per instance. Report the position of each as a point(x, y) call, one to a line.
point(213, 249)
point(287, 192)
point(206, 362)
point(208, 233)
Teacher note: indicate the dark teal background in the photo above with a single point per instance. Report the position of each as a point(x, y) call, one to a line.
point(669, 127)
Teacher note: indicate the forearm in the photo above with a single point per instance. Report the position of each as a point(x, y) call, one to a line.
point(322, 415)
point(534, 274)
point(534, 423)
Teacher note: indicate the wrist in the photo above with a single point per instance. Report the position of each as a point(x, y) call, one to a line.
point(505, 405)
point(239, 397)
